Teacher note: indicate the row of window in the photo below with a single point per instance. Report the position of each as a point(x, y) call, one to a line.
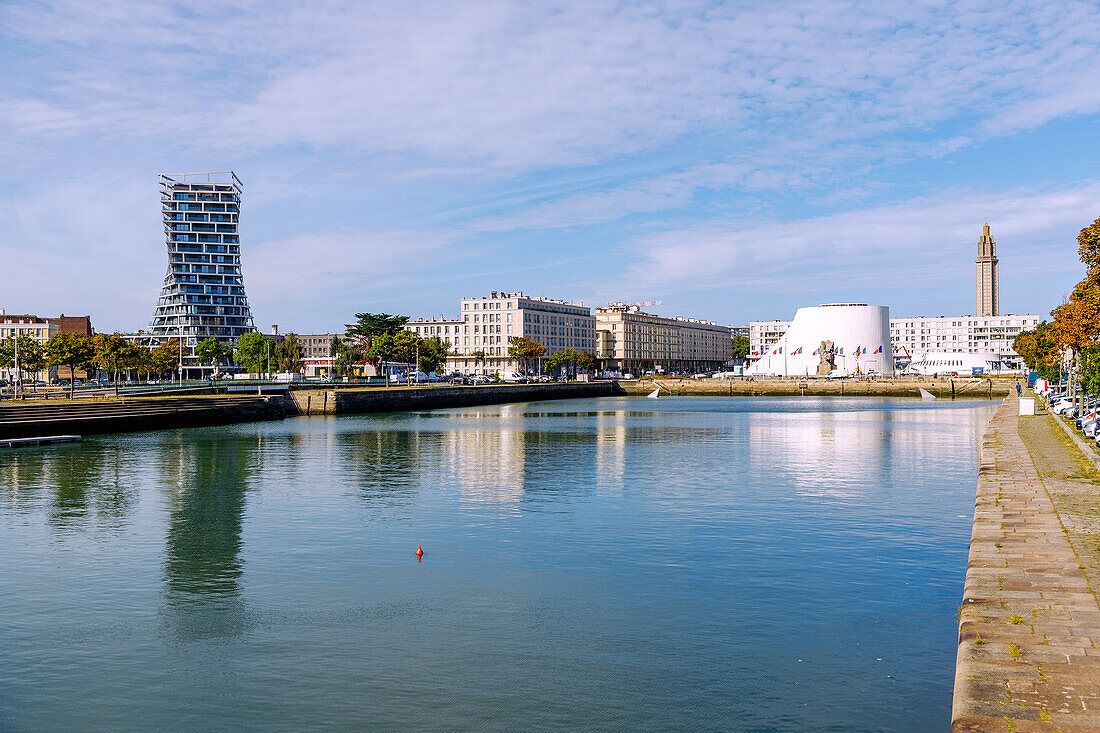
point(170, 208)
point(184, 196)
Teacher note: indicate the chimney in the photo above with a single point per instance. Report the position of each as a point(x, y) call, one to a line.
point(274, 329)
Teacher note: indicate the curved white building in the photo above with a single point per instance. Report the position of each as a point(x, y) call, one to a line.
point(860, 334)
point(956, 363)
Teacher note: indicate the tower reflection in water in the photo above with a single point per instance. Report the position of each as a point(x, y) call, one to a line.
point(207, 484)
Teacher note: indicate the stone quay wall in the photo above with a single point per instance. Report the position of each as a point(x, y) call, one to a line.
point(61, 417)
point(959, 388)
point(397, 399)
point(1029, 621)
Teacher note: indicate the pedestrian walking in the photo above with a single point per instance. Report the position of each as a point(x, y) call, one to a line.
point(1019, 389)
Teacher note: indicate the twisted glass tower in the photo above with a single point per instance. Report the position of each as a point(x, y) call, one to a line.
point(203, 294)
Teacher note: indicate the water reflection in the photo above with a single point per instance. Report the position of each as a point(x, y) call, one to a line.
point(82, 486)
point(847, 455)
point(384, 466)
point(207, 487)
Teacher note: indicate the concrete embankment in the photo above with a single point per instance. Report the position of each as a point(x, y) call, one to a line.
point(355, 401)
point(18, 420)
point(1029, 622)
point(84, 417)
point(942, 388)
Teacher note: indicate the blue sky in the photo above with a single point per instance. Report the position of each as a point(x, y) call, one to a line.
point(734, 160)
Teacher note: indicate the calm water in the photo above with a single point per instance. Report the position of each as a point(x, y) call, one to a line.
point(611, 564)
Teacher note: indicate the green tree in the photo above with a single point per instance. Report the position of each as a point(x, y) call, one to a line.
point(525, 350)
point(32, 355)
point(571, 360)
point(73, 350)
point(251, 352)
point(288, 354)
point(739, 347)
point(433, 354)
point(132, 358)
point(1090, 369)
point(165, 357)
point(211, 351)
point(111, 354)
point(1040, 351)
point(399, 347)
point(344, 357)
point(360, 335)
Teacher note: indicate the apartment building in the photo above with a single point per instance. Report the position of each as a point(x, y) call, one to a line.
point(26, 326)
point(630, 340)
point(203, 293)
point(967, 334)
point(479, 337)
point(317, 356)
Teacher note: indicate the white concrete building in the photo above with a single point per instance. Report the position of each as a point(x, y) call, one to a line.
point(630, 340)
point(479, 337)
point(860, 335)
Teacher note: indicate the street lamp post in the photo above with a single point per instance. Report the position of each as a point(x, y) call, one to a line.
point(18, 376)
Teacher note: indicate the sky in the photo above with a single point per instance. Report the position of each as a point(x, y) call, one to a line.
point(732, 160)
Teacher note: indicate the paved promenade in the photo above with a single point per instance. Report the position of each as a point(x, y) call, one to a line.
point(1028, 657)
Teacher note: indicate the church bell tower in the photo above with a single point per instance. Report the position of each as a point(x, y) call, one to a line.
point(987, 285)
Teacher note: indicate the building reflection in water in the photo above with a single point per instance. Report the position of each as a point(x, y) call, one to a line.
point(844, 454)
point(207, 484)
point(487, 455)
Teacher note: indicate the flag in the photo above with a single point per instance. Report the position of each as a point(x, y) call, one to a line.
point(797, 351)
point(860, 351)
point(878, 350)
point(840, 351)
point(780, 349)
point(815, 353)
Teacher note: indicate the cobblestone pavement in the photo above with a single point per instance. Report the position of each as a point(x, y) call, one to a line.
point(1029, 621)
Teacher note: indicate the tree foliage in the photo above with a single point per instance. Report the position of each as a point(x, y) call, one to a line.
point(211, 351)
point(399, 347)
point(113, 354)
point(1040, 350)
point(251, 352)
point(288, 354)
point(1088, 249)
point(433, 354)
point(1075, 329)
point(73, 350)
point(739, 347)
point(32, 355)
point(165, 358)
point(571, 358)
point(370, 326)
point(345, 356)
point(525, 350)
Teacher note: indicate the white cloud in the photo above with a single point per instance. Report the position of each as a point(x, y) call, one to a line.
point(423, 127)
point(925, 243)
point(505, 87)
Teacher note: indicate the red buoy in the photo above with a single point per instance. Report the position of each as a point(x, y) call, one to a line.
point(419, 553)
